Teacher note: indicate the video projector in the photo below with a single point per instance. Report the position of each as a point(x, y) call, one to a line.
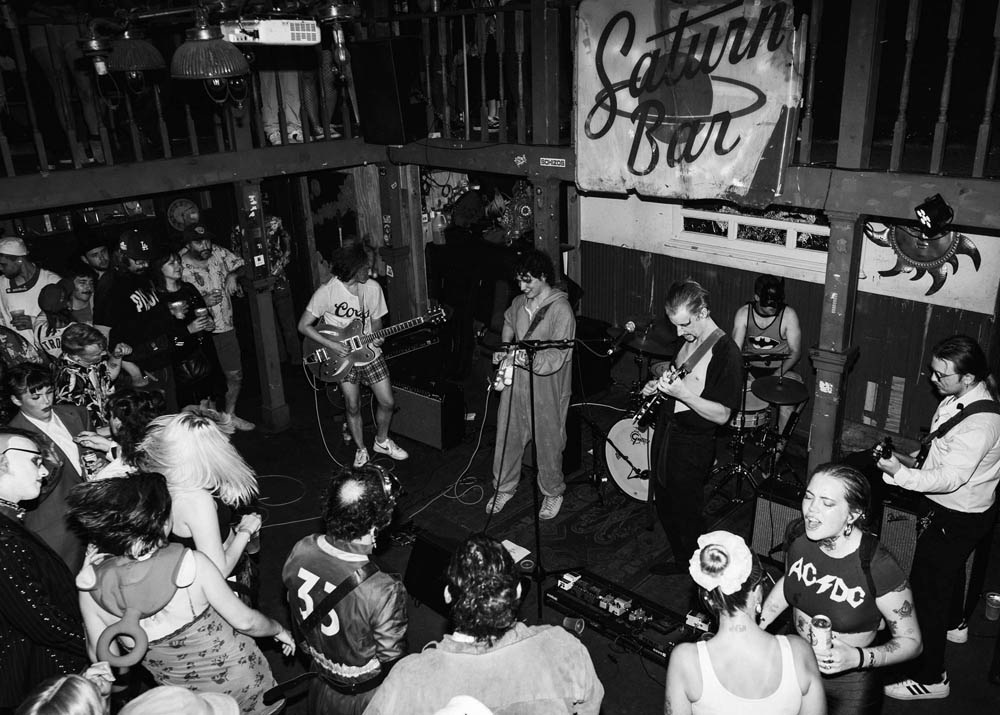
point(288, 31)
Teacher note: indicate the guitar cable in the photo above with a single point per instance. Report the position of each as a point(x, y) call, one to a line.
point(468, 485)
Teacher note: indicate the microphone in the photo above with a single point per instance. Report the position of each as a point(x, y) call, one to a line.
point(617, 343)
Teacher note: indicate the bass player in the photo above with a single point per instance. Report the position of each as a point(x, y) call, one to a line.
point(683, 449)
point(350, 295)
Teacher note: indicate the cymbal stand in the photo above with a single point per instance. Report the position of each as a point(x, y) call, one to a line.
point(736, 470)
point(773, 445)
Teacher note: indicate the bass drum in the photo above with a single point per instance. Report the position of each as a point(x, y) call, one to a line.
point(628, 440)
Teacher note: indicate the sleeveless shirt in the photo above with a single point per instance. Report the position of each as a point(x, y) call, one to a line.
point(716, 700)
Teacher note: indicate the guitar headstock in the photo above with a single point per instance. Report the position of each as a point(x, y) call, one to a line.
point(883, 450)
point(437, 314)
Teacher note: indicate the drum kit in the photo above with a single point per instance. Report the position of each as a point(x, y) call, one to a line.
point(627, 445)
point(757, 421)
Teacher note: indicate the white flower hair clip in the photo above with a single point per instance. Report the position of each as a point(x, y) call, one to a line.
point(730, 554)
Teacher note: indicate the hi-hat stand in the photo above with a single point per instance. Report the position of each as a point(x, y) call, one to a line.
point(736, 471)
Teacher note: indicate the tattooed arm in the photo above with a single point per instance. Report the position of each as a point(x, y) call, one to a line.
point(897, 609)
point(774, 605)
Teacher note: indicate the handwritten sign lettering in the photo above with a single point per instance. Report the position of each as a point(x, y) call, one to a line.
point(686, 99)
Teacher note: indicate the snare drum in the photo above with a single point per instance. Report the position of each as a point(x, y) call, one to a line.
point(632, 443)
point(756, 412)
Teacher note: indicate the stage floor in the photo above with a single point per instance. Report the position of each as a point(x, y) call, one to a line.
point(599, 527)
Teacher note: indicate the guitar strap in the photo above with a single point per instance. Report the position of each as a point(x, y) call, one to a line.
point(337, 595)
point(536, 320)
point(974, 408)
point(702, 350)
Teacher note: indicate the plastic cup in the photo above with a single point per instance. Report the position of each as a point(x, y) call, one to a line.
point(992, 606)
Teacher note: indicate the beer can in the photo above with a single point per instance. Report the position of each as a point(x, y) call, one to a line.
point(201, 312)
point(821, 633)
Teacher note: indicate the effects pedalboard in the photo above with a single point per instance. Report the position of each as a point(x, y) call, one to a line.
point(630, 621)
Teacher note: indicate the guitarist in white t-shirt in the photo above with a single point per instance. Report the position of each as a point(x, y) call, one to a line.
point(346, 298)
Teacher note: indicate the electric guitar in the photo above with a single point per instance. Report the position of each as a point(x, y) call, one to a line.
point(326, 366)
point(885, 448)
point(505, 369)
point(646, 414)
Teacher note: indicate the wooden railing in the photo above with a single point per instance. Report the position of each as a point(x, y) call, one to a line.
point(933, 73)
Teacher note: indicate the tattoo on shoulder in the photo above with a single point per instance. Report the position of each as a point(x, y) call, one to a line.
point(902, 587)
point(904, 611)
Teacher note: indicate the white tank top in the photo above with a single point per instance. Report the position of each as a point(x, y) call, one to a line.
point(716, 700)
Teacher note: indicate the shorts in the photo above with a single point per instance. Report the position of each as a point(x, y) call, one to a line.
point(227, 347)
point(370, 373)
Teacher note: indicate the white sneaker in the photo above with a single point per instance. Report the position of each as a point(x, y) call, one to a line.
point(360, 457)
point(550, 507)
point(959, 634)
point(392, 449)
point(498, 501)
point(912, 690)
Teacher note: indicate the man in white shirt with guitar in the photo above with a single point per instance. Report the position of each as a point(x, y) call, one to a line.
point(352, 308)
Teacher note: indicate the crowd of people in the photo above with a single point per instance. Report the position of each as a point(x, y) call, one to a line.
point(128, 526)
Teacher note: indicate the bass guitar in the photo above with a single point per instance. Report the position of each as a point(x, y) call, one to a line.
point(646, 414)
point(885, 449)
point(326, 366)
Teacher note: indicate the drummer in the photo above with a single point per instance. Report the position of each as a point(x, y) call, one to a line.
point(769, 335)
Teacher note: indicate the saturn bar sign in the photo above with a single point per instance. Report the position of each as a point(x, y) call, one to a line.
point(687, 99)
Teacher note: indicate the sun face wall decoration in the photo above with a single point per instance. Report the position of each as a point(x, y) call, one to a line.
point(920, 255)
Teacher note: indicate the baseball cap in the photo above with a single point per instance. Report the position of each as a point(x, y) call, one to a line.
point(137, 244)
point(13, 246)
point(198, 232)
point(174, 700)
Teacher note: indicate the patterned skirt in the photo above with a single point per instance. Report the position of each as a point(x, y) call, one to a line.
point(208, 655)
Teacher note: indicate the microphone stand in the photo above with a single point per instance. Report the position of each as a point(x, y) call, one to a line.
point(530, 347)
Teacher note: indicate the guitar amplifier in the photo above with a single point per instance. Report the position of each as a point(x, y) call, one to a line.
point(778, 505)
point(898, 530)
point(432, 413)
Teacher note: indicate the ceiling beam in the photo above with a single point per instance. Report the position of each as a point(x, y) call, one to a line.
point(34, 193)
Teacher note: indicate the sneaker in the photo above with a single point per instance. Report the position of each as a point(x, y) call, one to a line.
point(498, 501)
point(959, 634)
point(242, 424)
point(360, 457)
point(391, 448)
point(493, 124)
point(912, 690)
point(550, 507)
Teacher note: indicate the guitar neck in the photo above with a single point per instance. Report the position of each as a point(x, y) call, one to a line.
point(393, 329)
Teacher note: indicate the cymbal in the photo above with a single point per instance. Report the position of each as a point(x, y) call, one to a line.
point(649, 344)
point(779, 391)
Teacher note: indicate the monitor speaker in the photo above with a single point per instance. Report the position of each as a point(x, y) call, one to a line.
point(387, 82)
point(425, 571)
point(778, 505)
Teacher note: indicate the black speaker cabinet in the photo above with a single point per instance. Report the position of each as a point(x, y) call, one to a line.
point(591, 362)
point(778, 504)
point(387, 82)
point(571, 452)
point(898, 531)
point(425, 571)
point(432, 413)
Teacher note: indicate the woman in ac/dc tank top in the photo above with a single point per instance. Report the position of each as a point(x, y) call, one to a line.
point(743, 669)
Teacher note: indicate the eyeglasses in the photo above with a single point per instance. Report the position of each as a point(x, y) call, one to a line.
point(941, 375)
point(37, 460)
